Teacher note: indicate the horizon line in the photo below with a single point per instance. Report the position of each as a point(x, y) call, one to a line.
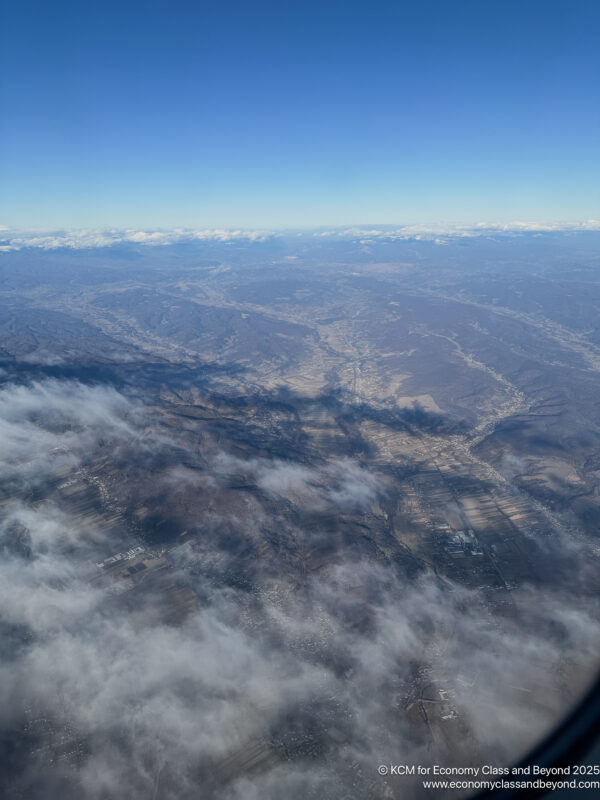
point(106, 236)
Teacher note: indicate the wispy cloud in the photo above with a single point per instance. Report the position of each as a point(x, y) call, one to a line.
point(435, 230)
point(160, 709)
point(12, 239)
point(341, 482)
point(51, 425)
point(86, 239)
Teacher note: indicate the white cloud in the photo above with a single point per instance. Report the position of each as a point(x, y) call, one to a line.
point(83, 239)
point(435, 230)
point(50, 426)
point(341, 482)
point(90, 238)
point(157, 702)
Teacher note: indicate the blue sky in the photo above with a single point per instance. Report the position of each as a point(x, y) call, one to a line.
point(289, 114)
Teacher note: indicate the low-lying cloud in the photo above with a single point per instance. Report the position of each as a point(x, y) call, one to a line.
point(11, 239)
point(341, 482)
point(85, 239)
point(103, 695)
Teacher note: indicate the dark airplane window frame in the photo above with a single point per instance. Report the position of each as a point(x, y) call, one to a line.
point(566, 746)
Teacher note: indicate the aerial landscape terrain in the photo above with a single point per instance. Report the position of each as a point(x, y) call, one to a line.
point(279, 508)
point(299, 399)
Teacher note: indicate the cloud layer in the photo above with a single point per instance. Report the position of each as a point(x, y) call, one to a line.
point(289, 689)
point(12, 239)
point(85, 239)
